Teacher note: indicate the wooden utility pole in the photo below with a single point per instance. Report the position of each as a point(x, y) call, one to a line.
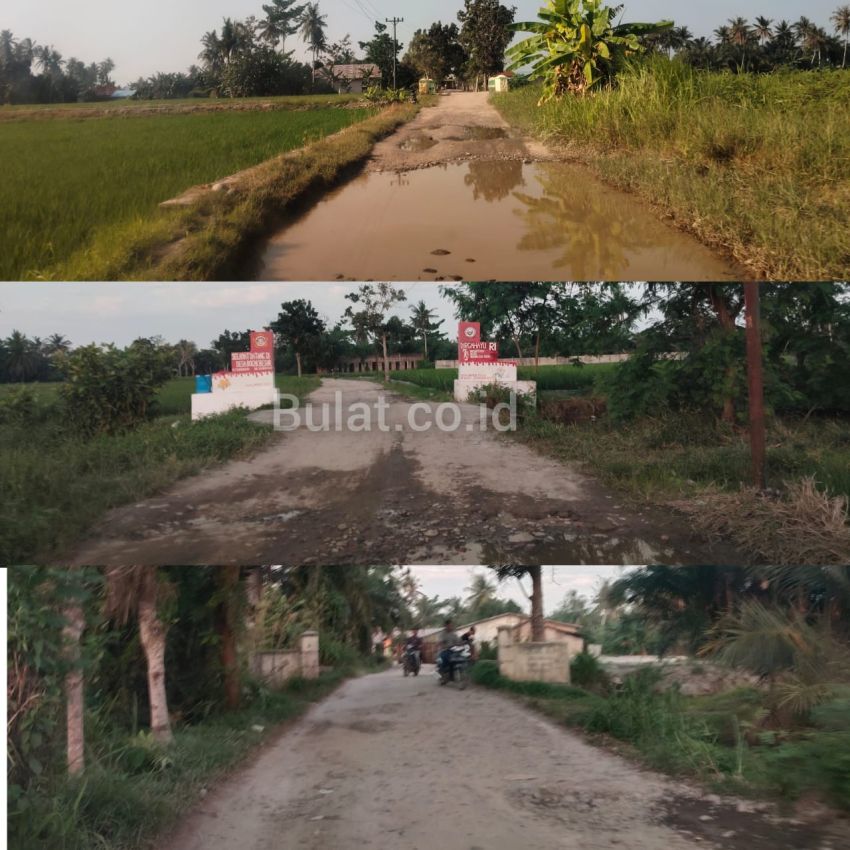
point(395, 22)
point(755, 377)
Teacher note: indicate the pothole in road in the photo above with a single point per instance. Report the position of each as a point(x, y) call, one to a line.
point(478, 134)
point(417, 144)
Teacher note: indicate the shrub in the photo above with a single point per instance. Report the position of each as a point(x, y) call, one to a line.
point(108, 390)
point(587, 672)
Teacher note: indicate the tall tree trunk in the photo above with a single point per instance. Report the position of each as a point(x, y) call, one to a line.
point(538, 631)
point(727, 322)
point(153, 633)
point(298, 362)
point(425, 340)
point(386, 360)
point(517, 346)
point(229, 588)
point(72, 633)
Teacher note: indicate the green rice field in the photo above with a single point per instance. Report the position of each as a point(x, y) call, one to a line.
point(66, 179)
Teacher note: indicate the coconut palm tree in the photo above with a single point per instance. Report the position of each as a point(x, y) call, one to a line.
point(140, 592)
point(538, 626)
point(763, 29)
point(740, 34)
point(841, 21)
point(282, 19)
point(313, 26)
point(422, 316)
point(57, 344)
point(22, 358)
point(480, 591)
point(72, 632)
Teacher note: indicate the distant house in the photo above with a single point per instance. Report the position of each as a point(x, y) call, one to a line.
point(487, 631)
point(353, 79)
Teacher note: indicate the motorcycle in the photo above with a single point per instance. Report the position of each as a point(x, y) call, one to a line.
point(457, 668)
point(412, 661)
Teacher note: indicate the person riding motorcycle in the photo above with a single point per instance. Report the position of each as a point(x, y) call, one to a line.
point(448, 638)
point(414, 643)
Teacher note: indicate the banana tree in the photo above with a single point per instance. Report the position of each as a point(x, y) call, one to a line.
point(576, 46)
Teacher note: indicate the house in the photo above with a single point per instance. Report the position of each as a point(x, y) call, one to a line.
point(374, 363)
point(487, 631)
point(353, 79)
point(500, 82)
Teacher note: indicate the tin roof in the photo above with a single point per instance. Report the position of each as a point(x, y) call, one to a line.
point(356, 71)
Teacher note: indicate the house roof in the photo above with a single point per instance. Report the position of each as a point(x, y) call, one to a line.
point(356, 72)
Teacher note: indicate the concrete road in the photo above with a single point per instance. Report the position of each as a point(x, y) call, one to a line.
point(389, 763)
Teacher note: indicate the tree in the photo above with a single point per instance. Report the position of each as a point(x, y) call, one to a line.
point(577, 47)
point(510, 311)
point(227, 627)
point(437, 52)
point(140, 592)
point(480, 592)
point(313, 26)
point(376, 300)
point(841, 21)
point(741, 35)
point(72, 633)
point(299, 324)
point(382, 51)
point(484, 35)
point(283, 18)
point(538, 628)
point(423, 322)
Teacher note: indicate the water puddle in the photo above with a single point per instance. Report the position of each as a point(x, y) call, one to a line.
point(418, 144)
point(486, 220)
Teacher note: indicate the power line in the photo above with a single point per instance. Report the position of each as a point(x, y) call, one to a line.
point(370, 8)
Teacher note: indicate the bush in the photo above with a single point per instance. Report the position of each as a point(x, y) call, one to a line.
point(108, 390)
point(587, 672)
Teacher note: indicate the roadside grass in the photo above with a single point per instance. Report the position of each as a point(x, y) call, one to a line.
point(709, 738)
point(212, 238)
point(755, 164)
point(67, 180)
point(56, 484)
point(132, 789)
point(703, 468)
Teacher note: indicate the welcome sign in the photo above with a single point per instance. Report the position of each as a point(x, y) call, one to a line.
point(470, 347)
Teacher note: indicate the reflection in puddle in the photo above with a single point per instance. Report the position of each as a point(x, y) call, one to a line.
point(543, 221)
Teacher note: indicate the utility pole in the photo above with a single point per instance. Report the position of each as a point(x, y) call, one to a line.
point(395, 22)
point(755, 377)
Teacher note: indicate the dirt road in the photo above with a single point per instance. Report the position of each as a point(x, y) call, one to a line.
point(388, 763)
point(459, 194)
point(391, 496)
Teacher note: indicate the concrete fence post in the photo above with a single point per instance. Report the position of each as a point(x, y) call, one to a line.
point(309, 646)
point(506, 651)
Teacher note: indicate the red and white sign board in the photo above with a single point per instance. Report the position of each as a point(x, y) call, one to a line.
point(259, 360)
point(470, 347)
point(488, 373)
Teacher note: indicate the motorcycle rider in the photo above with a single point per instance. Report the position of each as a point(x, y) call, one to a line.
point(414, 643)
point(469, 637)
point(448, 638)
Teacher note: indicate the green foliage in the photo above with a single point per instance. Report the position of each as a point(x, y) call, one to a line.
point(577, 47)
point(107, 390)
point(586, 672)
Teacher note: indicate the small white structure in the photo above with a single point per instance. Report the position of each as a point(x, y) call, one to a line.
point(501, 83)
point(277, 667)
point(474, 376)
point(533, 662)
point(353, 78)
point(231, 391)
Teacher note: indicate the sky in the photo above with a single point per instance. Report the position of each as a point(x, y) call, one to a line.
point(121, 312)
point(164, 35)
point(445, 581)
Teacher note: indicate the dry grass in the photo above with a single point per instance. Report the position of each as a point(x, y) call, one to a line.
point(803, 526)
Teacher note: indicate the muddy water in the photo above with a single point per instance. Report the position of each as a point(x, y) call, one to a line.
point(485, 220)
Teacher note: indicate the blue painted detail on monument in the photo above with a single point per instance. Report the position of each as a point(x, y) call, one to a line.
point(203, 383)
